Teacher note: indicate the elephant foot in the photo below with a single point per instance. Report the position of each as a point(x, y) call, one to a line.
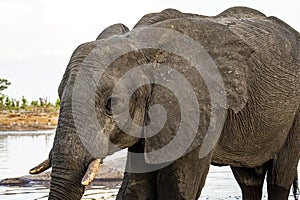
point(276, 192)
point(251, 192)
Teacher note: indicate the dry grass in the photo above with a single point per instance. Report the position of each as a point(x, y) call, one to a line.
point(28, 121)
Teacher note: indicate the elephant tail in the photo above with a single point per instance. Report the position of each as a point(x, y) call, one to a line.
point(296, 188)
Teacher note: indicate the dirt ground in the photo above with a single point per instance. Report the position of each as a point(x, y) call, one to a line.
point(28, 121)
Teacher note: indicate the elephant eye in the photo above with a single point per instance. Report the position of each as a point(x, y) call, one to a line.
point(111, 103)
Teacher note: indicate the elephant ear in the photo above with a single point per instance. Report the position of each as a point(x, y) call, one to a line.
point(232, 57)
point(112, 30)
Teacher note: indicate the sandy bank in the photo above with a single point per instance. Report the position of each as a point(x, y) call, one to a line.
point(28, 121)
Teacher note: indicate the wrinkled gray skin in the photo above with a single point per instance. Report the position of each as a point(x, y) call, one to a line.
point(258, 58)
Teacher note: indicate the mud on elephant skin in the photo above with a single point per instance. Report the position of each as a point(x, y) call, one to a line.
point(258, 59)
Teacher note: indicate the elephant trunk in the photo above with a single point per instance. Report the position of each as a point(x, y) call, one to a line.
point(68, 167)
point(77, 141)
point(65, 186)
point(70, 161)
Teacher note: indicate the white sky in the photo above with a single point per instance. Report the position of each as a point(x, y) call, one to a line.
point(39, 36)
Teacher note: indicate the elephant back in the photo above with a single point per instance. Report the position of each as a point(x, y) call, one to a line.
point(167, 14)
point(241, 13)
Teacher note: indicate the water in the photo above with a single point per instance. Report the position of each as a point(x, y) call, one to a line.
point(20, 151)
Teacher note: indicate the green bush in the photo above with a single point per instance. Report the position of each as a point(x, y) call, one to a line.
point(4, 84)
point(24, 103)
point(8, 104)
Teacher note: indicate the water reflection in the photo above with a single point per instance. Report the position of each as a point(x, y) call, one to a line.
point(20, 151)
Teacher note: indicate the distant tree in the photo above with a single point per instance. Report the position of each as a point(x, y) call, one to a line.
point(8, 103)
point(42, 102)
point(13, 103)
point(4, 84)
point(24, 103)
point(2, 97)
point(57, 104)
point(34, 104)
point(18, 104)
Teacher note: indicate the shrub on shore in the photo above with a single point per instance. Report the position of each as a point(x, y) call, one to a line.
point(41, 105)
point(8, 104)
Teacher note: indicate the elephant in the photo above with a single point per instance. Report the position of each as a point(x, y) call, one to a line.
point(256, 131)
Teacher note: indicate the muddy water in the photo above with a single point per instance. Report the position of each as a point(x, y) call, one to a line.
point(19, 151)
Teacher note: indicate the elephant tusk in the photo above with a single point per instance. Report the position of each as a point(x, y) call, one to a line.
point(41, 167)
point(91, 172)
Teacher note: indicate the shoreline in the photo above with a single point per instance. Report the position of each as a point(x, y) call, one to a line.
point(106, 174)
point(26, 128)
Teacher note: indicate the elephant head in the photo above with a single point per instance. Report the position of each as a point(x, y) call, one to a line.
point(102, 112)
point(73, 163)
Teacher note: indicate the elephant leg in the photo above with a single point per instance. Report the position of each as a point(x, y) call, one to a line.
point(280, 178)
point(283, 169)
point(184, 178)
point(137, 185)
point(250, 181)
